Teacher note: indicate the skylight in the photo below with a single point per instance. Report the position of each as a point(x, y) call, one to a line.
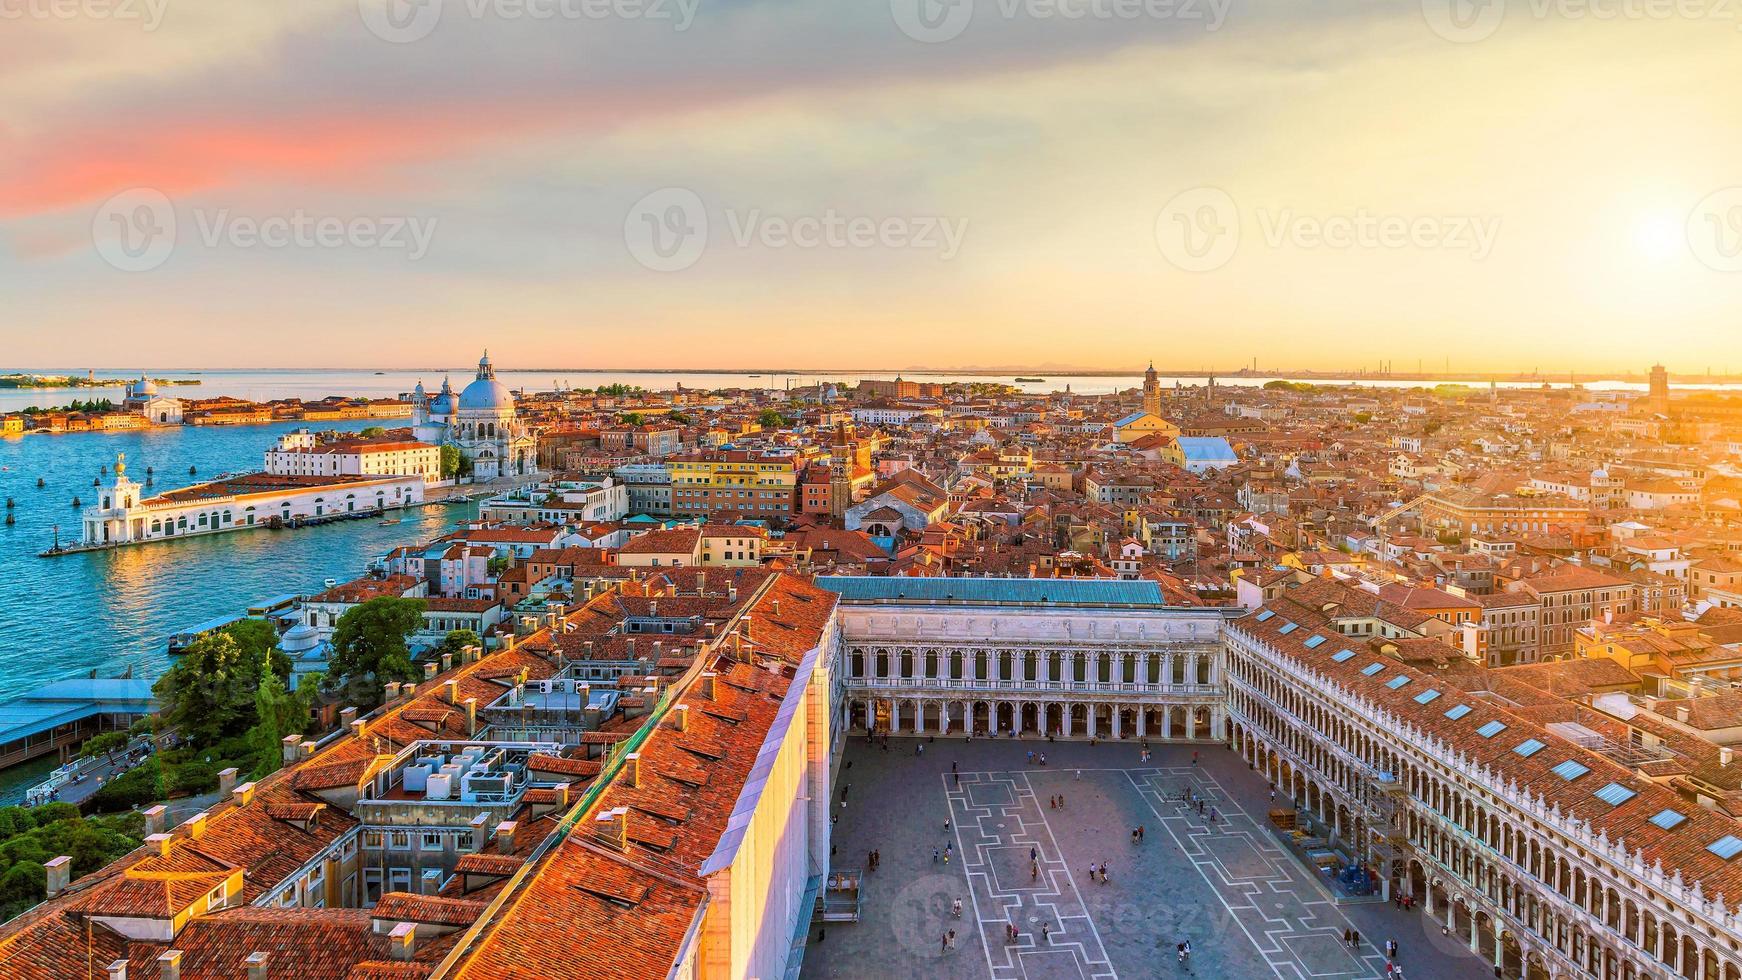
point(1491, 729)
point(1570, 770)
point(1266, 614)
point(1289, 628)
point(1426, 696)
point(1458, 712)
point(1397, 682)
point(1669, 819)
point(1529, 747)
point(1615, 794)
point(1372, 669)
point(1342, 655)
point(1314, 642)
point(1726, 847)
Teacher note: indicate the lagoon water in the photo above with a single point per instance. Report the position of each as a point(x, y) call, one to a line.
point(108, 610)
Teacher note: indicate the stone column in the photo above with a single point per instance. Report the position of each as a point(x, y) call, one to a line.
point(1089, 711)
point(1167, 671)
point(1191, 723)
point(1116, 721)
point(894, 715)
point(1142, 714)
point(1167, 719)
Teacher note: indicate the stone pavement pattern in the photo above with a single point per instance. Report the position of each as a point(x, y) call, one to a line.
point(1249, 908)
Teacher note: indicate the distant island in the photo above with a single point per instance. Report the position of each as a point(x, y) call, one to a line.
point(20, 380)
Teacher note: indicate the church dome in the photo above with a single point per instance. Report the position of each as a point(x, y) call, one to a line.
point(443, 403)
point(145, 387)
point(486, 393)
point(300, 638)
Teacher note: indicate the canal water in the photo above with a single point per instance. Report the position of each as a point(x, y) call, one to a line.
point(108, 610)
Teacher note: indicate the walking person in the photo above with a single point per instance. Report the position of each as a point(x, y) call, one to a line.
point(1046, 933)
point(1355, 938)
point(934, 855)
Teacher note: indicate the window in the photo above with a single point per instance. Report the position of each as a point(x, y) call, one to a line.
point(1491, 729)
point(1342, 655)
point(1372, 669)
point(1529, 747)
point(1288, 628)
point(1397, 682)
point(1314, 642)
point(1615, 794)
point(1668, 819)
point(1570, 770)
point(372, 838)
point(432, 841)
point(400, 840)
point(1726, 847)
point(1426, 696)
point(1458, 712)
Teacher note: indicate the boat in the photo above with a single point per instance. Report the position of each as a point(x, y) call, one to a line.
point(1031, 381)
point(380, 372)
point(389, 522)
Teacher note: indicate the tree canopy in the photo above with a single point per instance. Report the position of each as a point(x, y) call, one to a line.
point(209, 694)
point(369, 642)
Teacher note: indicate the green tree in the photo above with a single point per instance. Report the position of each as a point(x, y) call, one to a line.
point(631, 418)
point(369, 642)
point(258, 640)
point(772, 419)
point(457, 640)
point(104, 744)
point(209, 693)
point(23, 885)
point(278, 712)
point(452, 459)
point(373, 432)
point(678, 418)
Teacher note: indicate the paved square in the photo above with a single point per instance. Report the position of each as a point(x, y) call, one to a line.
point(1014, 843)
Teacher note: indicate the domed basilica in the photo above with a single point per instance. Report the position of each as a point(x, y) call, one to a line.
point(480, 421)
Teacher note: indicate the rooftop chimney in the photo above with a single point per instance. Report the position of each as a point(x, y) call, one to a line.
point(118, 970)
point(614, 825)
point(226, 781)
point(451, 691)
point(505, 836)
point(154, 819)
point(243, 794)
point(709, 679)
point(390, 692)
point(160, 843)
point(776, 607)
point(169, 962)
point(292, 748)
point(402, 941)
point(471, 717)
point(196, 825)
point(257, 965)
point(1726, 755)
point(447, 662)
point(429, 671)
point(680, 717)
point(360, 727)
point(480, 832)
point(60, 874)
point(347, 715)
point(632, 762)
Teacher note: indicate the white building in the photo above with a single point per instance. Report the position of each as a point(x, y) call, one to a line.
point(301, 453)
point(252, 500)
point(481, 422)
point(563, 502)
point(142, 398)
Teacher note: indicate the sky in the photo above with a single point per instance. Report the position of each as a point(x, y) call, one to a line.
point(1314, 184)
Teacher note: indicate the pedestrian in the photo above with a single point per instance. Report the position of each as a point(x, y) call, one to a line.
point(1043, 758)
point(1134, 836)
point(1355, 938)
point(1346, 940)
point(1052, 803)
point(956, 908)
point(919, 748)
point(946, 944)
point(934, 855)
point(952, 768)
point(958, 780)
point(1061, 801)
point(1273, 794)
point(1033, 870)
point(1079, 774)
point(1031, 757)
point(1140, 833)
point(952, 939)
point(1033, 852)
point(1046, 933)
point(946, 825)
